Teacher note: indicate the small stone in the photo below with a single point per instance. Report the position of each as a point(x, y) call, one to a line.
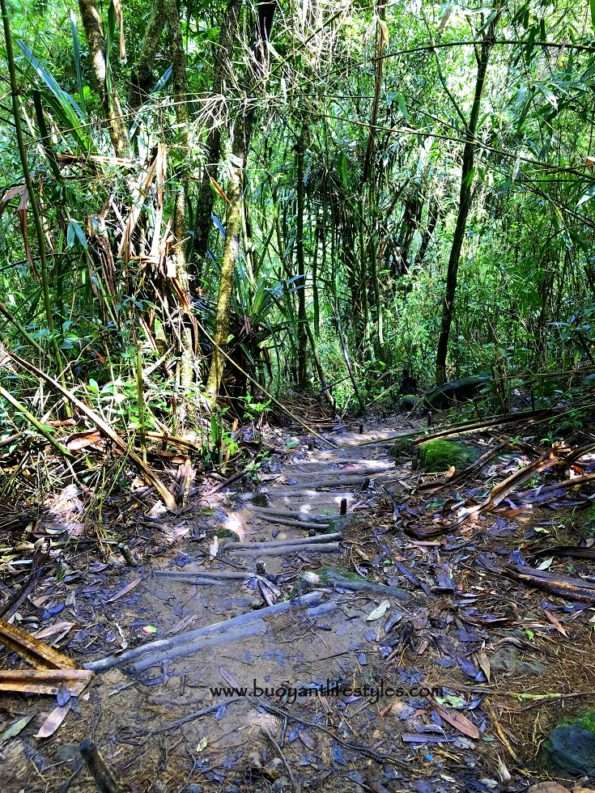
point(571, 747)
point(548, 787)
point(311, 578)
point(507, 659)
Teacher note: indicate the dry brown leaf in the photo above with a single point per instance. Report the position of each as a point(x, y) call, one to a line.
point(53, 630)
point(124, 591)
point(53, 721)
point(79, 440)
point(556, 622)
point(459, 722)
point(484, 664)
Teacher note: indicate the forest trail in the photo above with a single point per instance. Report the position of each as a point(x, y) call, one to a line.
point(252, 657)
point(280, 658)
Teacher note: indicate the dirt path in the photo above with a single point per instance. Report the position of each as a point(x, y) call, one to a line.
point(242, 661)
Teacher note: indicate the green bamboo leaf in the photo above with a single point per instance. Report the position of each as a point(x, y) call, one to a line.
point(64, 103)
point(76, 52)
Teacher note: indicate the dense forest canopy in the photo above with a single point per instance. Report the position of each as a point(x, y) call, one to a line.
point(232, 201)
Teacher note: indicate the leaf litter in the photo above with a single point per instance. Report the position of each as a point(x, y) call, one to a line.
point(436, 576)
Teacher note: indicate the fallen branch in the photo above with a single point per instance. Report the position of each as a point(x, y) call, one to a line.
point(467, 426)
point(281, 513)
point(504, 488)
point(208, 575)
point(316, 539)
point(475, 467)
point(320, 484)
point(44, 681)
point(270, 550)
point(561, 585)
point(297, 524)
point(235, 634)
point(198, 580)
point(100, 665)
point(567, 551)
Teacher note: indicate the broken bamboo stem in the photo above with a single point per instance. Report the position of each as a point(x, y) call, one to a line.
point(297, 524)
point(284, 513)
point(238, 633)
point(101, 664)
point(268, 550)
point(104, 779)
point(317, 538)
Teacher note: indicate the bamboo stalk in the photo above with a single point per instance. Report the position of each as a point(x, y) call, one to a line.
point(42, 428)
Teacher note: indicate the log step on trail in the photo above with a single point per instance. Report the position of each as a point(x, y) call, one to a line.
point(186, 637)
point(304, 517)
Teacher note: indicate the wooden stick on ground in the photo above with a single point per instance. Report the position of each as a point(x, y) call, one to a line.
point(272, 550)
point(315, 540)
point(104, 779)
point(100, 665)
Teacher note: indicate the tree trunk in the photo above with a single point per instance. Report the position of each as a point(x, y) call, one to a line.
point(240, 147)
point(180, 92)
point(233, 225)
point(141, 78)
point(381, 42)
point(109, 97)
point(464, 204)
point(433, 213)
point(204, 206)
point(302, 334)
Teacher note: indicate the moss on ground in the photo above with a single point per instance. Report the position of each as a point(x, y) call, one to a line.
point(440, 454)
point(571, 745)
point(586, 720)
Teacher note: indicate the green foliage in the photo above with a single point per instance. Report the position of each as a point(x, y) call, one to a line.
point(376, 243)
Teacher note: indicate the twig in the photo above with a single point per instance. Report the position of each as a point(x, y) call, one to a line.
point(192, 717)
point(279, 751)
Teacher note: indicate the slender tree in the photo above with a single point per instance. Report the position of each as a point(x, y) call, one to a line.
point(107, 88)
point(222, 75)
point(242, 134)
point(465, 197)
point(302, 333)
